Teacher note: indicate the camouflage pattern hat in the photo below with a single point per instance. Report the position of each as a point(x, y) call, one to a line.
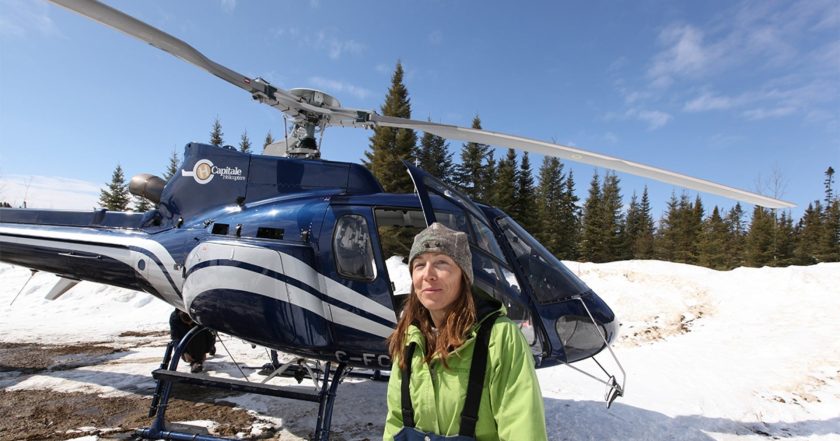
point(437, 238)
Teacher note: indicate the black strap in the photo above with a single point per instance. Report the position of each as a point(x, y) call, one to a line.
point(469, 415)
point(478, 368)
point(407, 407)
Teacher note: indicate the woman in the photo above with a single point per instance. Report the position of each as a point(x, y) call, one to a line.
point(448, 337)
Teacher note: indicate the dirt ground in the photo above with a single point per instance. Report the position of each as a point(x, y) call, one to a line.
point(35, 414)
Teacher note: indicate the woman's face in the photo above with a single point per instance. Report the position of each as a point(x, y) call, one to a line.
point(437, 282)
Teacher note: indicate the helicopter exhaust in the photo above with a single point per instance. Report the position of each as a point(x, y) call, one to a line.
point(147, 186)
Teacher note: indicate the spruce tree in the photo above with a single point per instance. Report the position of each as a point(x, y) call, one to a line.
point(712, 250)
point(611, 206)
point(784, 241)
point(594, 243)
point(568, 219)
point(643, 242)
point(434, 157)
point(390, 146)
point(268, 140)
point(759, 247)
point(470, 174)
point(735, 223)
point(244, 143)
point(504, 189)
point(172, 168)
point(115, 196)
point(667, 235)
point(549, 197)
point(524, 207)
point(809, 234)
point(829, 186)
point(829, 249)
point(216, 134)
point(491, 173)
point(141, 204)
point(830, 244)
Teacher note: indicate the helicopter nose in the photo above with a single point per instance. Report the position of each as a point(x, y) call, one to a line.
point(582, 326)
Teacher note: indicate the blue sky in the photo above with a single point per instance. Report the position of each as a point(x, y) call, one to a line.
point(734, 92)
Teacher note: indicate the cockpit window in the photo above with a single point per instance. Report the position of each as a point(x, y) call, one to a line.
point(550, 280)
point(352, 248)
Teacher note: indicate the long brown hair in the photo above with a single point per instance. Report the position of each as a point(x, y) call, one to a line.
point(459, 320)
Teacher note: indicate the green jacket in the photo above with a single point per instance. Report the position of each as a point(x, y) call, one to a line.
point(511, 401)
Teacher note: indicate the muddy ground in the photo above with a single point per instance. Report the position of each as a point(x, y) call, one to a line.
point(44, 414)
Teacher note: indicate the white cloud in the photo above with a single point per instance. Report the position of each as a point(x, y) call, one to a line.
point(654, 118)
point(228, 6)
point(764, 113)
point(49, 192)
point(708, 101)
point(337, 86)
point(684, 55)
point(324, 40)
point(20, 18)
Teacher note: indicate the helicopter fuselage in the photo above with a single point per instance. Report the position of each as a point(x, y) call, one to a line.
point(303, 256)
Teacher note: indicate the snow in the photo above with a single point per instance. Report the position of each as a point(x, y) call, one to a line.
point(744, 354)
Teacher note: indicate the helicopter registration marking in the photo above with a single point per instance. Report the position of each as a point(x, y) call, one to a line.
point(367, 359)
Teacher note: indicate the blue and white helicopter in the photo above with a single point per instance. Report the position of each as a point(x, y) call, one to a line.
point(286, 251)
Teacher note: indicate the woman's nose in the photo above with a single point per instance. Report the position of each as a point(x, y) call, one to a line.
point(429, 272)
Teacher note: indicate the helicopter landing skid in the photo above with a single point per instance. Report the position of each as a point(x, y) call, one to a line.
point(167, 375)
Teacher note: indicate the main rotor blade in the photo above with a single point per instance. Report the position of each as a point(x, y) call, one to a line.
point(275, 97)
point(577, 155)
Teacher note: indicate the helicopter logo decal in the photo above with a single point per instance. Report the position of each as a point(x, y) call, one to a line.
point(203, 172)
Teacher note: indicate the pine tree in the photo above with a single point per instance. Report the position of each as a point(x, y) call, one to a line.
point(568, 219)
point(244, 143)
point(809, 234)
point(470, 174)
point(639, 227)
point(667, 242)
point(549, 197)
point(829, 186)
point(594, 243)
point(759, 241)
point(713, 242)
point(172, 168)
point(390, 146)
point(525, 205)
point(141, 204)
point(491, 173)
point(830, 250)
point(434, 157)
point(115, 196)
point(735, 223)
point(216, 134)
point(784, 242)
point(614, 219)
point(504, 189)
point(268, 140)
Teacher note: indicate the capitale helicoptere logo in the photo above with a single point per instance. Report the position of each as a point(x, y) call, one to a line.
point(203, 172)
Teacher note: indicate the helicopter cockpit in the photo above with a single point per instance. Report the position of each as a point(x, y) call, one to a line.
point(560, 316)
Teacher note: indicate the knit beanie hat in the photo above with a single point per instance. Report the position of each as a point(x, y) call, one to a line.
point(437, 238)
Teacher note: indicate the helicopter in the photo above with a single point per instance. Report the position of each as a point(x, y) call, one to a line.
point(290, 251)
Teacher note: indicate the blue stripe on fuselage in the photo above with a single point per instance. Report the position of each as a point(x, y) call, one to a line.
point(291, 281)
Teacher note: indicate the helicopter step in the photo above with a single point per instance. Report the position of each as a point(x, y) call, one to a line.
point(167, 375)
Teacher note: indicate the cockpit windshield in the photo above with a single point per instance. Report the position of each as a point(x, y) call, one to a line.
point(550, 280)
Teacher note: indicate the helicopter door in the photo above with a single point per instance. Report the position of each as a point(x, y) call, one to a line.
point(494, 275)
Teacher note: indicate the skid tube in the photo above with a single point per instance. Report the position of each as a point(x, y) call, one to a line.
point(167, 375)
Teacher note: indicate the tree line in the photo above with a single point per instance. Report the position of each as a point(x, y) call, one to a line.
point(598, 229)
